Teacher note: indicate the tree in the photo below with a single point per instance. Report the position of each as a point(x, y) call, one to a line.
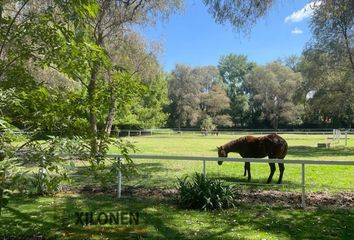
point(291, 62)
point(207, 125)
point(328, 89)
point(184, 94)
point(214, 102)
point(198, 94)
point(233, 69)
point(147, 112)
point(31, 33)
point(240, 14)
point(273, 88)
point(333, 30)
point(139, 58)
point(108, 87)
point(327, 65)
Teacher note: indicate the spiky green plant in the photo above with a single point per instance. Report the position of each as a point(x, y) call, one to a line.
point(199, 192)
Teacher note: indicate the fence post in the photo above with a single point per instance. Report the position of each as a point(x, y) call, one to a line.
point(303, 204)
point(204, 168)
point(119, 190)
point(346, 138)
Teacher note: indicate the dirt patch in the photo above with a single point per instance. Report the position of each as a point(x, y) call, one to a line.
point(160, 193)
point(291, 199)
point(270, 197)
point(157, 193)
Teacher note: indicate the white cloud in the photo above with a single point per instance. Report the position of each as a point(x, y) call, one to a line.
point(296, 31)
point(303, 13)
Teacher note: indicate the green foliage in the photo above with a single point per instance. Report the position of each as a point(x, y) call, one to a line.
point(45, 110)
point(199, 192)
point(196, 92)
point(240, 14)
point(207, 124)
point(147, 112)
point(273, 88)
point(327, 65)
point(51, 166)
point(11, 173)
point(104, 169)
point(11, 178)
point(184, 95)
point(233, 69)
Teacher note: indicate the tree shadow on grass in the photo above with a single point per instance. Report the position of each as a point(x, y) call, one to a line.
point(321, 223)
point(159, 221)
point(146, 175)
point(306, 151)
point(259, 183)
point(25, 225)
point(106, 204)
point(27, 218)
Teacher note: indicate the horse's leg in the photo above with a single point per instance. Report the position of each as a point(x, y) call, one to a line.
point(272, 171)
point(281, 169)
point(245, 167)
point(248, 167)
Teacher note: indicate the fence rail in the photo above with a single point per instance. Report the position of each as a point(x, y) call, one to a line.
point(150, 132)
point(256, 160)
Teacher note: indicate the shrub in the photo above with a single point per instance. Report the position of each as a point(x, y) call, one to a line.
point(199, 192)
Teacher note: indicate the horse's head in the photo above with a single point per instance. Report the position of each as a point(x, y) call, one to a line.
point(221, 153)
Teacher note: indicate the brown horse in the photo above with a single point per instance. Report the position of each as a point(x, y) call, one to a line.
point(271, 145)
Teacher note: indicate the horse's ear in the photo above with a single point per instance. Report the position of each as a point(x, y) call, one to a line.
point(218, 148)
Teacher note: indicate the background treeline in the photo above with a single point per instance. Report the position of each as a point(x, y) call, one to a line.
point(313, 90)
point(81, 68)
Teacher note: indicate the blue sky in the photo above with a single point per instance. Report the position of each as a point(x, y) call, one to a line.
point(192, 37)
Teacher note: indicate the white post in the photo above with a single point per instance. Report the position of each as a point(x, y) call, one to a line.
point(204, 168)
point(303, 204)
point(119, 190)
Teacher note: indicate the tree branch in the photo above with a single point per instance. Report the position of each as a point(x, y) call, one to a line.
point(11, 24)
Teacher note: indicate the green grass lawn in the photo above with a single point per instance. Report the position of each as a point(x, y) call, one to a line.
point(163, 173)
point(53, 217)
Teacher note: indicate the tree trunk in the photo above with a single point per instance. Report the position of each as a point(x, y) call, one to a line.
point(92, 111)
point(111, 113)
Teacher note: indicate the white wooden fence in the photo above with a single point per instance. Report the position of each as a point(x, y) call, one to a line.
point(257, 160)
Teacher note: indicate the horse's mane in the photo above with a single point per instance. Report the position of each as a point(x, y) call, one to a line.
point(233, 143)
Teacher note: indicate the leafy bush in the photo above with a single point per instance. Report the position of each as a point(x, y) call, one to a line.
point(11, 173)
point(199, 192)
point(51, 164)
point(207, 124)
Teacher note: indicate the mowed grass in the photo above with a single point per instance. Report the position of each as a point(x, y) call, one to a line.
point(54, 218)
point(157, 173)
